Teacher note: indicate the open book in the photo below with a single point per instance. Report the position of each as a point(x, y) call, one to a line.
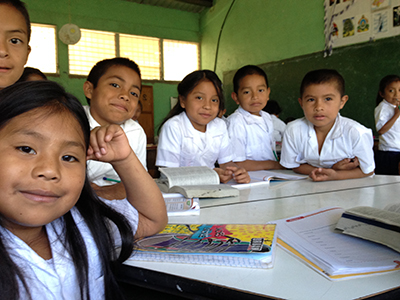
point(265, 176)
point(236, 245)
point(312, 238)
point(374, 224)
point(194, 182)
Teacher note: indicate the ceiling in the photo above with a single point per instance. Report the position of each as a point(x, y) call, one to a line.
point(195, 6)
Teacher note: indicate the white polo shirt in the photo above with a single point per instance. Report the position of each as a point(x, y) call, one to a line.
point(137, 140)
point(252, 137)
point(55, 279)
point(181, 145)
point(390, 140)
point(279, 128)
point(346, 139)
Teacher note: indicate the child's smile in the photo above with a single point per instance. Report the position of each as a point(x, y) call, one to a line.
point(43, 168)
point(201, 105)
point(14, 49)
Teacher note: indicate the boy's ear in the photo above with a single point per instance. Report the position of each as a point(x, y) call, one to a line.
point(181, 101)
point(88, 89)
point(343, 101)
point(27, 55)
point(300, 102)
point(235, 98)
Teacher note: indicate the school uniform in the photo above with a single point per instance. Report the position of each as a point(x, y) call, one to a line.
point(181, 145)
point(252, 137)
point(279, 128)
point(137, 140)
point(346, 139)
point(55, 279)
point(388, 157)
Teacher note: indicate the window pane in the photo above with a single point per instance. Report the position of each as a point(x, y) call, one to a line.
point(145, 51)
point(180, 59)
point(92, 47)
point(43, 55)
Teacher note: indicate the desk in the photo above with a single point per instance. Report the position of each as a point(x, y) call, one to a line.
point(290, 278)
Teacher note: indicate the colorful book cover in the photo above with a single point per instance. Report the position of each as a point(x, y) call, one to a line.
point(240, 245)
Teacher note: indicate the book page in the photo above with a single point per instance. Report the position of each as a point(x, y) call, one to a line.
point(394, 207)
point(275, 175)
point(314, 236)
point(190, 176)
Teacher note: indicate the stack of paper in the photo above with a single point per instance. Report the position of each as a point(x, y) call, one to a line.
point(312, 237)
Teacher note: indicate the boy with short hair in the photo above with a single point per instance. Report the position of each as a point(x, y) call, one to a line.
point(323, 144)
point(15, 33)
point(250, 128)
point(112, 91)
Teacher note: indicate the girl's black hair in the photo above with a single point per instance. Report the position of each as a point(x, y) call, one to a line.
point(385, 81)
point(28, 71)
point(20, 6)
point(52, 98)
point(188, 84)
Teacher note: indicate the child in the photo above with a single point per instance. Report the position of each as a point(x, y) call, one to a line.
point(57, 239)
point(388, 126)
point(32, 74)
point(138, 112)
point(274, 110)
point(15, 32)
point(112, 90)
point(323, 144)
point(250, 128)
point(193, 135)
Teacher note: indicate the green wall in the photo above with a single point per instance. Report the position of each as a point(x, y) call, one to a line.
point(286, 39)
point(118, 16)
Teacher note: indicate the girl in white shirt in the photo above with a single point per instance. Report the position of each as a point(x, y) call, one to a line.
point(387, 124)
point(57, 239)
point(192, 135)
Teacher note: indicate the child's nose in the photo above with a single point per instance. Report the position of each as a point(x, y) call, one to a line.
point(207, 103)
point(47, 169)
point(124, 94)
point(3, 49)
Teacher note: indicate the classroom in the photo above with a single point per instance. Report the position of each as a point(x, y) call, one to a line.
point(286, 39)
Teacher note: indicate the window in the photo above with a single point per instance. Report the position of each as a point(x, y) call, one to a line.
point(43, 55)
point(147, 56)
point(179, 58)
point(91, 48)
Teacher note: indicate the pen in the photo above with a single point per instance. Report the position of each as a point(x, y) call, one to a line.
point(110, 179)
point(276, 156)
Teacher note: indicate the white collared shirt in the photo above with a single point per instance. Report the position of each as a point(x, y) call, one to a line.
point(181, 145)
point(55, 279)
point(346, 139)
point(390, 140)
point(252, 137)
point(279, 128)
point(137, 140)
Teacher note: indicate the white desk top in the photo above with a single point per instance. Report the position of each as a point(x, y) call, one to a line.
point(289, 278)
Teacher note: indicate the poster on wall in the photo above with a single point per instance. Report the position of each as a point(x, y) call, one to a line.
point(350, 22)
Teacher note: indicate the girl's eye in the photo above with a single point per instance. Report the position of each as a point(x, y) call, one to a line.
point(114, 85)
point(134, 94)
point(215, 100)
point(15, 41)
point(26, 149)
point(69, 158)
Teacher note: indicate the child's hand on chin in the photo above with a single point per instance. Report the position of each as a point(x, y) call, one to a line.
point(108, 144)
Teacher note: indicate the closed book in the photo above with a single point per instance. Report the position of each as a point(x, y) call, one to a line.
point(236, 245)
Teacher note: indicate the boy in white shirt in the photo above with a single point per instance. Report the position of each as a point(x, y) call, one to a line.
point(250, 128)
point(112, 91)
point(323, 144)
